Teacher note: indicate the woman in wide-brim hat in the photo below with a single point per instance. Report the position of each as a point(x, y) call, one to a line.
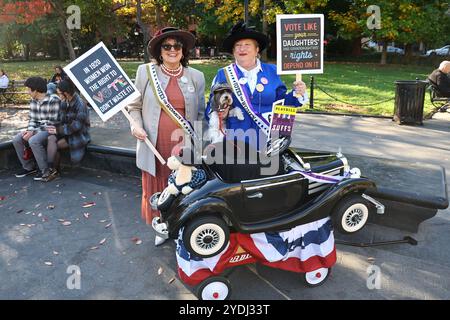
point(260, 85)
point(184, 88)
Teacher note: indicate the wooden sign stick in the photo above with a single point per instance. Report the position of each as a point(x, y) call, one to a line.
point(147, 142)
point(298, 77)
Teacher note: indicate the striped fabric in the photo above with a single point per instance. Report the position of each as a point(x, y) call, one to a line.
point(302, 249)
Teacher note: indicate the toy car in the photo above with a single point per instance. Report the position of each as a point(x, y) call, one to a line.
point(238, 198)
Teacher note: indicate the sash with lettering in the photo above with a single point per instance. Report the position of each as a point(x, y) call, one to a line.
point(239, 92)
point(167, 106)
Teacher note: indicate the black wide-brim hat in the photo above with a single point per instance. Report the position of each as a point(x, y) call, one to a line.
point(186, 37)
point(241, 31)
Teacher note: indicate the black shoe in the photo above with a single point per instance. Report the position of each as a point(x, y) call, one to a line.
point(49, 174)
point(38, 176)
point(24, 172)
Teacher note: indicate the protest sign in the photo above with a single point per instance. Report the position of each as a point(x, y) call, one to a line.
point(300, 43)
point(282, 119)
point(102, 81)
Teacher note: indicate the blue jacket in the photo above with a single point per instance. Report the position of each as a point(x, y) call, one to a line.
point(262, 101)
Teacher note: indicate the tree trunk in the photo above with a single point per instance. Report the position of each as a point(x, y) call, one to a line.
point(67, 36)
point(356, 47)
point(26, 51)
point(144, 29)
point(63, 30)
point(9, 50)
point(408, 53)
point(384, 53)
point(264, 29)
point(61, 49)
point(158, 15)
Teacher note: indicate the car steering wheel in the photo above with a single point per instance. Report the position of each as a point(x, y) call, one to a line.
point(278, 146)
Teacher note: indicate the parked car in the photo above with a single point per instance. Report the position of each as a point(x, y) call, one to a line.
point(444, 51)
point(395, 50)
point(237, 198)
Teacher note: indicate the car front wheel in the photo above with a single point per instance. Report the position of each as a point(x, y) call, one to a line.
point(214, 288)
point(316, 278)
point(206, 236)
point(165, 200)
point(351, 214)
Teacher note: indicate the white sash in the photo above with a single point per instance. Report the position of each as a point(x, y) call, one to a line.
point(232, 79)
point(165, 104)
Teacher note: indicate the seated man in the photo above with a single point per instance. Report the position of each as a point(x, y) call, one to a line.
point(440, 78)
point(44, 111)
point(4, 81)
point(72, 132)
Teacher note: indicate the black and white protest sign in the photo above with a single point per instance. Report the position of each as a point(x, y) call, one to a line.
point(102, 81)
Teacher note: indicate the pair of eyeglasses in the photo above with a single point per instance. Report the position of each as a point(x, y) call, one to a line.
point(168, 47)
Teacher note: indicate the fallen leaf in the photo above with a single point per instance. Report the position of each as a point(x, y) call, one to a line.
point(160, 271)
point(102, 241)
point(66, 223)
point(171, 280)
point(88, 204)
point(108, 225)
point(136, 240)
point(48, 263)
point(86, 215)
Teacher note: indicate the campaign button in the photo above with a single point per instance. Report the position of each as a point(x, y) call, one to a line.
point(259, 87)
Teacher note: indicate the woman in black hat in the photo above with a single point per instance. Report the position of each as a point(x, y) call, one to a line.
point(259, 84)
point(172, 97)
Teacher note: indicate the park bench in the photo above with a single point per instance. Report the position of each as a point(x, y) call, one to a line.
point(13, 92)
point(435, 96)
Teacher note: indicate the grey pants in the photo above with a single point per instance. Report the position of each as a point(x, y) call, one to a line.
point(38, 144)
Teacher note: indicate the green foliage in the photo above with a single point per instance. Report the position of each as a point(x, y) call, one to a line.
point(403, 21)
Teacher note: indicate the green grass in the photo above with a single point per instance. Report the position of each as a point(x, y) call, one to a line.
point(354, 83)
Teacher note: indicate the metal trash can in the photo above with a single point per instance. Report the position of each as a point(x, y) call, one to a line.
point(409, 100)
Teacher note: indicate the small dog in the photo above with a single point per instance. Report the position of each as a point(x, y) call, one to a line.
point(221, 109)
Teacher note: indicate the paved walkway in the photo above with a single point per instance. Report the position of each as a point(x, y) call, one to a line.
point(121, 269)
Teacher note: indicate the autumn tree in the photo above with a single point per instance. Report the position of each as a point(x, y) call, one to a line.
point(403, 21)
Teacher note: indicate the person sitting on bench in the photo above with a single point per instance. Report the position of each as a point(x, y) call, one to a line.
point(44, 111)
point(440, 78)
point(4, 81)
point(72, 132)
